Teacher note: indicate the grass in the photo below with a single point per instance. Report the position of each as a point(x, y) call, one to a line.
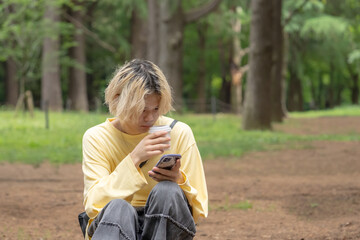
point(242, 205)
point(25, 139)
point(352, 110)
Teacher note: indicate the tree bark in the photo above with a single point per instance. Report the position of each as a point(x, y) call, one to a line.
point(138, 35)
point(153, 31)
point(201, 85)
point(277, 88)
point(236, 73)
point(295, 96)
point(11, 83)
point(355, 88)
point(224, 62)
point(50, 86)
point(171, 20)
point(257, 111)
point(77, 79)
point(284, 64)
point(330, 88)
point(171, 30)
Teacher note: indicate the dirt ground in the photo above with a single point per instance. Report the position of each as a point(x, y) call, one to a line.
point(307, 192)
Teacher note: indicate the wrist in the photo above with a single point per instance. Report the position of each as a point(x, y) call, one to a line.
point(181, 178)
point(135, 160)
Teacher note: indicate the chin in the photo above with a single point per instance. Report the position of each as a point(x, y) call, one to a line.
point(144, 129)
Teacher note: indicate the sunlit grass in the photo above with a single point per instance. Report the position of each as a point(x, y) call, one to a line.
point(25, 139)
point(352, 110)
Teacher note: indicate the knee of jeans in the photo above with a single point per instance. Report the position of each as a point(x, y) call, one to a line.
point(167, 189)
point(121, 206)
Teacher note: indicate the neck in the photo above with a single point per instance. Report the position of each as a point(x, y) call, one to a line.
point(116, 123)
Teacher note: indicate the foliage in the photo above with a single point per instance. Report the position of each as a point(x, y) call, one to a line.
point(20, 36)
point(219, 35)
point(25, 139)
point(323, 53)
point(354, 56)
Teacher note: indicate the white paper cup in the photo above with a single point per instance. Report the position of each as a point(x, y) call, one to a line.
point(164, 128)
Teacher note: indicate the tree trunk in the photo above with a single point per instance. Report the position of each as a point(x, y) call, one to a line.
point(171, 20)
point(257, 111)
point(355, 88)
point(236, 73)
point(77, 79)
point(171, 29)
point(153, 31)
point(50, 85)
point(138, 35)
point(201, 84)
point(11, 83)
point(277, 89)
point(295, 96)
point(225, 92)
point(284, 63)
point(355, 84)
point(330, 89)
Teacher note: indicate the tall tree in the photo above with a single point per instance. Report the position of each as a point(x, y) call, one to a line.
point(277, 83)
point(139, 30)
point(201, 83)
point(11, 83)
point(50, 86)
point(237, 71)
point(77, 80)
point(257, 112)
point(169, 30)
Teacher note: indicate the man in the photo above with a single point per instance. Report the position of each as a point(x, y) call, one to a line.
point(125, 196)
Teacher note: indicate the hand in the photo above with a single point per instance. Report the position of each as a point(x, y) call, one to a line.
point(173, 175)
point(151, 145)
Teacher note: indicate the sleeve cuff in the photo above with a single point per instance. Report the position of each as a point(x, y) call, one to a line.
point(136, 172)
point(186, 181)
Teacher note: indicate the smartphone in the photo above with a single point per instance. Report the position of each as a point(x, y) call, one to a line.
point(167, 161)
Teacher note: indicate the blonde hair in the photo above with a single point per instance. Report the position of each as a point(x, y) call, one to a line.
point(131, 83)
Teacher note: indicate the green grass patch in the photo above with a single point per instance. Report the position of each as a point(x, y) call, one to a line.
point(351, 110)
point(24, 139)
point(242, 205)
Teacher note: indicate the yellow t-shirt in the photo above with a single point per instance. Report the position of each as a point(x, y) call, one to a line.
point(109, 172)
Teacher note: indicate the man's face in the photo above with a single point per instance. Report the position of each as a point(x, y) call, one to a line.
point(148, 117)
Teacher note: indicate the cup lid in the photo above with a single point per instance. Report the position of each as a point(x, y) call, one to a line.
point(158, 128)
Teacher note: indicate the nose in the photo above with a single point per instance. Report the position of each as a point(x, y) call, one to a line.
point(148, 117)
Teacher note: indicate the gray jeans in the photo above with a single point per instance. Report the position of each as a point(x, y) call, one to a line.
point(166, 215)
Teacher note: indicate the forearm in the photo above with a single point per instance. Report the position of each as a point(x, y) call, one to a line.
point(122, 183)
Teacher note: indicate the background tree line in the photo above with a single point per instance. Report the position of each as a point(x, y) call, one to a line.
point(262, 58)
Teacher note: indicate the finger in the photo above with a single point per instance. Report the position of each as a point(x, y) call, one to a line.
point(156, 134)
point(154, 152)
point(157, 140)
point(177, 165)
point(156, 147)
point(164, 172)
point(157, 177)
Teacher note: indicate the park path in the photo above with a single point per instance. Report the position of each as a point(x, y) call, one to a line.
point(311, 191)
